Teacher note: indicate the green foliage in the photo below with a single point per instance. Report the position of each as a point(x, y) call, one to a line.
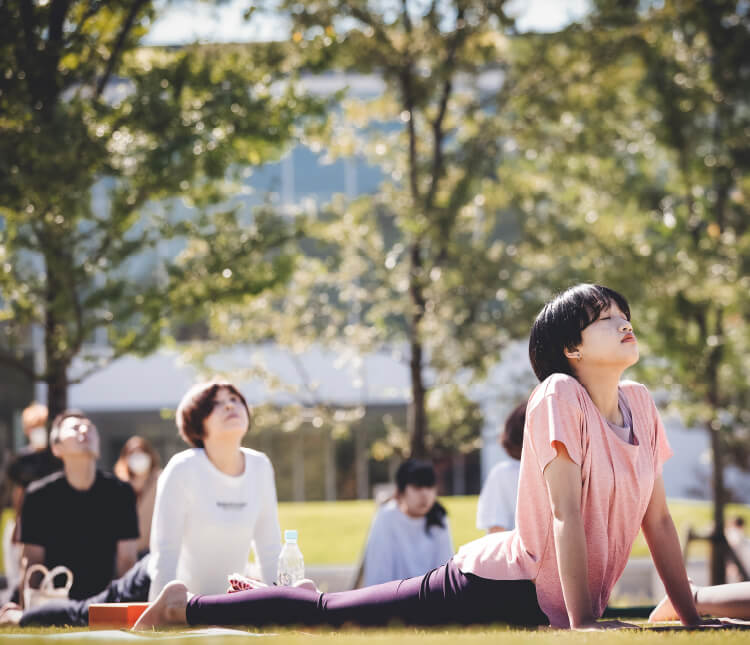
point(416, 270)
point(103, 145)
point(640, 175)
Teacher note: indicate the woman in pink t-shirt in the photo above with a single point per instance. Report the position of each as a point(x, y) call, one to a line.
point(590, 478)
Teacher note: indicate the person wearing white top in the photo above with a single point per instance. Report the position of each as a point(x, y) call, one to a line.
point(410, 534)
point(496, 508)
point(215, 501)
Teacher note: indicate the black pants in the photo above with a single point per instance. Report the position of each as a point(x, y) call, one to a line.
point(132, 587)
point(444, 596)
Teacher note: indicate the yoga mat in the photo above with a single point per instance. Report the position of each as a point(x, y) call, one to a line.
point(120, 635)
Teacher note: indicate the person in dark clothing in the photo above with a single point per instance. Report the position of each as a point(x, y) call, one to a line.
point(132, 587)
point(81, 517)
point(33, 461)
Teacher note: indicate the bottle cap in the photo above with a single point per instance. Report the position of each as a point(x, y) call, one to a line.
point(290, 535)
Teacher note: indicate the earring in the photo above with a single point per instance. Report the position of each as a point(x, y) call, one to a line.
point(578, 356)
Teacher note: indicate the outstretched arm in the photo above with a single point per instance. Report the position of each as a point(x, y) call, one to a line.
point(664, 544)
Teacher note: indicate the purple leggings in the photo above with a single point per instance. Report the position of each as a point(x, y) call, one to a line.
point(444, 596)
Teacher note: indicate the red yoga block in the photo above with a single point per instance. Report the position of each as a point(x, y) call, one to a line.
point(115, 614)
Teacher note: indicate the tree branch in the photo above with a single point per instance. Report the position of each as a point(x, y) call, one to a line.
point(57, 12)
point(366, 18)
point(25, 54)
point(437, 125)
point(119, 45)
point(406, 16)
point(406, 89)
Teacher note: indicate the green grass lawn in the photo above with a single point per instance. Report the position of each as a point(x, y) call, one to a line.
point(335, 532)
point(406, 636)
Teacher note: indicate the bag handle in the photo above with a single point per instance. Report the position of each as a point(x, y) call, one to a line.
point(33, 569)
point(60, 570)
point(48, 581)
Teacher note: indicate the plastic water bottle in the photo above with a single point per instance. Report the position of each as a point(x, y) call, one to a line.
point(291, 565)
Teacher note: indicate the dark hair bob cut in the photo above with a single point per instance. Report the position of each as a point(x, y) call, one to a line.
point(415, 472)
point(560, 322)
point(196, 405)
point(421, 473)
point(512, 437)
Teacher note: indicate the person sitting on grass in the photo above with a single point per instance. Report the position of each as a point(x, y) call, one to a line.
point(410, 534)
point(33, 461)
point(496, 507)
point(591, 476)
point(81, 517)
point(216, 500)
point(213, 502)
point(139, 465)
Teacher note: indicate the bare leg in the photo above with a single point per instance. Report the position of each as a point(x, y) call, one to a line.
point(168, 608)
point(721, 601)
point(730, 601)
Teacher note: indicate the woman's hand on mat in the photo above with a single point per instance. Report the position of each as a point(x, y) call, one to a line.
point(605, 624)
point(665, 611)
point(10, 614)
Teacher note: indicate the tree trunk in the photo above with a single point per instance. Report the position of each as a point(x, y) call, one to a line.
point(55, 369)
point(57, 391)
point(298, 467)
point(361, 461)
point(718, 544)
point(718, 563)
point(58, 352)
point(417, 417)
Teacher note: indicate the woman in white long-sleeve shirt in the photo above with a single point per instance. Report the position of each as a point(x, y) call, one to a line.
point(215, 501)
point(410, 534)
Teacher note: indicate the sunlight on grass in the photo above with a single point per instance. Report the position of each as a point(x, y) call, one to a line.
point(335, 532)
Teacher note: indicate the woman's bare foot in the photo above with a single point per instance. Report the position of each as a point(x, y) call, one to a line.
point(168, 609)
point(306, 583)
point(663, 611)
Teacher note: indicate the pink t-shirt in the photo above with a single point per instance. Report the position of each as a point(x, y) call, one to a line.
point(617, 481)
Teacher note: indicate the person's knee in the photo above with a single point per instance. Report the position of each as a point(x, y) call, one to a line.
point(54, 614)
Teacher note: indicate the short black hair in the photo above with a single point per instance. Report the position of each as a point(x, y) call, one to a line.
point(197, 404)
point(560, 322)
point(415, 472)
point(512, 437)
point(420, 473)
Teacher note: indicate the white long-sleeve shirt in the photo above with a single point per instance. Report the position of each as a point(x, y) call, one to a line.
point(205, 522)
point(399, 547)
point(497, 501)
